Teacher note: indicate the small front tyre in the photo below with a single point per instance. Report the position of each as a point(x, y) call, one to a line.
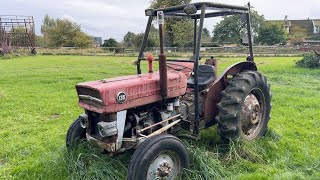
point(75, 134)
point(159, 157)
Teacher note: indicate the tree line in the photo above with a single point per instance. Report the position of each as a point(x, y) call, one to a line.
point(62, 33)
point(177, 32)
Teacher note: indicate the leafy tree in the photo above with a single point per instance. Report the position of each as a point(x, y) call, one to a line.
point(82, 39)
point(166, 3)
point(63, 33)
point(205, 32)
point(272, 33)
point(183, 33)
point(134, 40)
point(47, 24)
point(298, 34)
point(206, 37)
point(40, 41)
point(230, 29)
point(169, 25)
point(154, 37)
point(127, 39)
point(110, 43)
point(137, 41)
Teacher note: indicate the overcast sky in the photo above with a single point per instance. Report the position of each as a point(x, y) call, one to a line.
point(114, 18)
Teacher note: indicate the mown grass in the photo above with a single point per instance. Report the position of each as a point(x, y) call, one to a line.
point(38, 102)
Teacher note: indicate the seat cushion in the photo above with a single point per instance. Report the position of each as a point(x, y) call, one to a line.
point(205, 77)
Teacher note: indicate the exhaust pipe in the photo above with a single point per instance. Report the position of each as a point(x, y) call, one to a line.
point(162, 59)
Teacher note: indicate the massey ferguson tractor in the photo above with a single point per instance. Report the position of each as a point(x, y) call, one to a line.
point(146, 111)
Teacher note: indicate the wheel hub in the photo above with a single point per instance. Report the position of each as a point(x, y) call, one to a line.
point(164, 170)
point(255, 114)
point(164, 166)
point(251, 115)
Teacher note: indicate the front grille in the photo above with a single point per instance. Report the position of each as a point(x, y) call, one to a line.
point(90, 97)
point(89, 92)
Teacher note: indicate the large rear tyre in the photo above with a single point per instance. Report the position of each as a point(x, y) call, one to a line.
point(244, 109)
point(75, 134)
point(159, 157)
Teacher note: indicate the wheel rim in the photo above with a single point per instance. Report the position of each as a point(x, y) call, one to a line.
point(165, 166)
point(252, 114)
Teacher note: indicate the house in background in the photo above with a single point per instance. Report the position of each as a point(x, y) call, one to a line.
point(96, 41)
point(310, 26)
point(306, 30)
point(316, 26)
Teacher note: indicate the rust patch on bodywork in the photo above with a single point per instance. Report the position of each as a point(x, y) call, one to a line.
point(213, 96)
point(110, 147)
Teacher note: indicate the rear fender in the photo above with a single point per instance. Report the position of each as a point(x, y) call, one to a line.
point(213, 94)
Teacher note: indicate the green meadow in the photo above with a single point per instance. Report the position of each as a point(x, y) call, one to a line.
point(38, 102)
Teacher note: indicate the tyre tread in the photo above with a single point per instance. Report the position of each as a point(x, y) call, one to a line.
point(229, 125)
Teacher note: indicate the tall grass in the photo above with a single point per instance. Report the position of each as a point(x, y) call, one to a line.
point(38, 102)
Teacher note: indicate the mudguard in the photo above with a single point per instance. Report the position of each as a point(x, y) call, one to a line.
point(213, 96)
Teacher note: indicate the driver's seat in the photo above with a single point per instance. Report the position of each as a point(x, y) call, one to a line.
point(206, 76)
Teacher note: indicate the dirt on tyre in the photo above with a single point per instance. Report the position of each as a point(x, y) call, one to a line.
point(159, 157)
point(244, 109)
point(75, 134)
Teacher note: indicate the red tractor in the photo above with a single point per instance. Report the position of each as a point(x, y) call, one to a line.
point(146, 111)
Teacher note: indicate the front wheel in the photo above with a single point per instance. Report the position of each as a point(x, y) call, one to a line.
point(75, 133)
point(244, 109)
point(159, 157)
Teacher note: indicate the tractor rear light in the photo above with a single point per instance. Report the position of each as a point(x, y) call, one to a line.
point(149, 12)
point(107, 128)
point(190, 9)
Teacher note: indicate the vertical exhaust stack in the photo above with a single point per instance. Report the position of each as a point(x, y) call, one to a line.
point(162, 58)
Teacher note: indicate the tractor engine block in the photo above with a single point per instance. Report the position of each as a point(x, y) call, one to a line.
point(146, 116)
point(187, 108)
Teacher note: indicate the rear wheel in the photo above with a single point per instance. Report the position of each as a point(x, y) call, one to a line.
point(159, 157)
point(75, 134)
point(244, 109)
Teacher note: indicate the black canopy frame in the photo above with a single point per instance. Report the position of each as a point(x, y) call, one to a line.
point(203, 10)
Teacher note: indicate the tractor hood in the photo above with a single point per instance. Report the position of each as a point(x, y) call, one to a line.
point(116, 94)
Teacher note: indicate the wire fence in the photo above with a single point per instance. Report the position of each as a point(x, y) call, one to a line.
point(178, 51)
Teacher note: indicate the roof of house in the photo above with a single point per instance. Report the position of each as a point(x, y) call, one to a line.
point(299, 24)
point(97, 40)
point(305, 24)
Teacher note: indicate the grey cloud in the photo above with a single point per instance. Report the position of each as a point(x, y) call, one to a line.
point(111, 18)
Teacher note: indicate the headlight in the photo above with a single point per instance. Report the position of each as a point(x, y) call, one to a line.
point(84, 122)
point(107, 128)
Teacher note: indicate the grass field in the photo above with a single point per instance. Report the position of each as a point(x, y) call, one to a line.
point(38, 102)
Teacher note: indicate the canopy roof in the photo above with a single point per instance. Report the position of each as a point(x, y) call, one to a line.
point(212, 10)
